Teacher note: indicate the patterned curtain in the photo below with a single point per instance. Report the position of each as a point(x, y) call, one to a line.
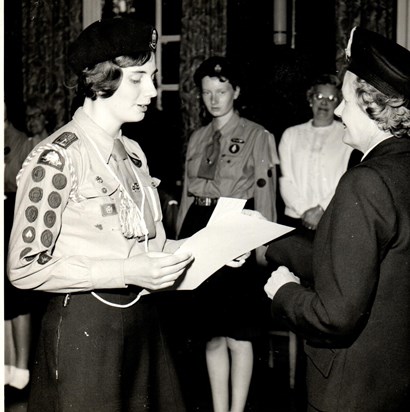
point(375, 15)
point(203, 34)
point(48, 27)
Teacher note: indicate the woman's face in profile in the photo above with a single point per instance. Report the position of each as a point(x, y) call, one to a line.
point(359, 128)
point(130, 101)
point(324, 102)
point(218, 96)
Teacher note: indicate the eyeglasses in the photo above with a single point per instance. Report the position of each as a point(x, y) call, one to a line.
point(319, 97)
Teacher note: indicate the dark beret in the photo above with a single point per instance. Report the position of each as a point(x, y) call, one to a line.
point(110, 38)
point(381, 62)
point(216, 66)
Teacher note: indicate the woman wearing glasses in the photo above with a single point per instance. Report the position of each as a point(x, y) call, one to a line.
point(313, 157)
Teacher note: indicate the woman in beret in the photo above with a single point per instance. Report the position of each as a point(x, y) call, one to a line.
point(356, 317)
point(88, 231)
point(232, 157)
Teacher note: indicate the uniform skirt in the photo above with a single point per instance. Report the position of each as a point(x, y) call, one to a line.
point(98, 358)
point(232, 301)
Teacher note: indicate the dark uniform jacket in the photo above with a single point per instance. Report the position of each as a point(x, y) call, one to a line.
point(356, 319)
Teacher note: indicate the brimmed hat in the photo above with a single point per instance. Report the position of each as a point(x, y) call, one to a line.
point(216, 66)
point(106, 39)
point(381, 62)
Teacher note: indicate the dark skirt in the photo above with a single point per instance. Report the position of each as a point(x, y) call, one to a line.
point(94, 357)
point(232, 302)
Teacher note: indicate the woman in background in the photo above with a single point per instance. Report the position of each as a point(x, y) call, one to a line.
point(232, 157)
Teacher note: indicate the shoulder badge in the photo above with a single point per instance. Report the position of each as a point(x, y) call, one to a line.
point(52, 158)
point(65, 139)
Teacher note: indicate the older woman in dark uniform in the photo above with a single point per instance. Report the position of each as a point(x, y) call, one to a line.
point(88, 230)
point(356, 317)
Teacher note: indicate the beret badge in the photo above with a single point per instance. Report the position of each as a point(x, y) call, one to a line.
point(154, 39)
point(218, 68)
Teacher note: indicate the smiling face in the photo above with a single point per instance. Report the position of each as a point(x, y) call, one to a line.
point(324, 102)
point(129, 102)
point(218, 96)
point(361, 132)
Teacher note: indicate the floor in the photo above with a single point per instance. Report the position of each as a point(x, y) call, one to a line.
point(269, 390)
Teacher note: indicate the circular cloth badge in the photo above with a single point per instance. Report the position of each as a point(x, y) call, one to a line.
point(29, 234)
point(35, 194)
point(47, 238)
point(59, 181)
point(25, 251)
point(38, 173)
point(54, 200)
point(49, 218)
point(31, 213)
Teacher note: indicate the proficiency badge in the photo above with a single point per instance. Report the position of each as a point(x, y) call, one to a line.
point(108, 209)
point(38, 173)
point(43, 258)
point(31, 213)
point(47, 238)
point(54, 200)
point(29, 234)
point(52, 158)
point(49, 218)
point(59, 181)
point(65, 139)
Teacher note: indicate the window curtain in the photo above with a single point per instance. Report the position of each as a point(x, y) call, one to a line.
point(375, 15)
point(48, 27)
point(203, 34)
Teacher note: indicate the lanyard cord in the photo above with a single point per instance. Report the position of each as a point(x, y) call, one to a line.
point(141, 215)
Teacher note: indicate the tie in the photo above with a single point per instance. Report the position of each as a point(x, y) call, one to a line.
point(209, 161)
point(129, 181)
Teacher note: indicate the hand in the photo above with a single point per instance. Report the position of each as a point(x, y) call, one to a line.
point(239, 261)
point(278, 278)
point(312, 216)
point(155, 270)
point(253, 213)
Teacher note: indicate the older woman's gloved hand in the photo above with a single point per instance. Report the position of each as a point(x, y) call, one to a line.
point(278, 278)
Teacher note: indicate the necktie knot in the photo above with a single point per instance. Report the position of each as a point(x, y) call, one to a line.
point(209, 161)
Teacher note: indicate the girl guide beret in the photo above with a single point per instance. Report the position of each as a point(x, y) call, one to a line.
point(381, 62)
point(110, 38)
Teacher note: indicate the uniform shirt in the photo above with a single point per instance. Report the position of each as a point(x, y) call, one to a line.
point(16, 147)
point(312, 161)
point(245, 168)
point(67, 235)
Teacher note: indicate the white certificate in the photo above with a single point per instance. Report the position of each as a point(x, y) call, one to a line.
point(229, 234)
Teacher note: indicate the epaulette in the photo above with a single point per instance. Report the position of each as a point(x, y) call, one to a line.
point(65, 139)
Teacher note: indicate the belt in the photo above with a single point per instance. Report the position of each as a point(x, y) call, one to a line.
point(205, 201)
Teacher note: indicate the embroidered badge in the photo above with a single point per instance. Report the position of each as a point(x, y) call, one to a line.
point(261, 182)
point(38, 174)
point(136, 160)
point(154, 39)
point(54, 200)
point(35, 194)
point(25, 251)
point(234, 148)
point(29, 234)
point(31, 213)
point(43, 258)
point(65, 139)
point(49, 218)
point(59, 181)
point(47, 238)
point(52, 158)
point(108, 209)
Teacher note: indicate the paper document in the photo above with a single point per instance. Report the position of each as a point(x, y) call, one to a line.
point(229, 234)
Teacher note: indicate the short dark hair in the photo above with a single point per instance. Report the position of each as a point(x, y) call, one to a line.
point(104, 78)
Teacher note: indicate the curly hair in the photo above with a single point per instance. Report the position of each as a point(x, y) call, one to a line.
point(324, 79)
point(389, 112)
point(104, 78)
